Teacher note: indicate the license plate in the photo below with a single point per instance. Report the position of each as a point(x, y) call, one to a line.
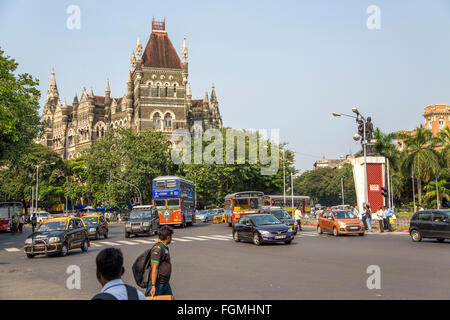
point(39, 247)
point(353, 228)
point(280, 237)
point(135, 228)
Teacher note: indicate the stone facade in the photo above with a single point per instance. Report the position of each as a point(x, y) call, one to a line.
point(158, 98)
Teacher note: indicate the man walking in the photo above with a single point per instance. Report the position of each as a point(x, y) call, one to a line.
point(21, 222)
point(369, 217)
point(298, 217)
point(109, 273)
point(33, 222)
point(160, 265)
point(389, 215)
point(380, 218)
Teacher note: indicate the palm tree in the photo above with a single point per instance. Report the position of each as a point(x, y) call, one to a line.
point(444, 141)
point(430, 191)
point(420, 157)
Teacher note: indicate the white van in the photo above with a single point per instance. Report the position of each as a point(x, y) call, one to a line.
point(42, 215)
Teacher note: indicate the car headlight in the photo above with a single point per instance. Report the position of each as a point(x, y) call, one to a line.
point(342, 224)
point(264, 232)
point(53, 239)
point(146, 224)
point(28, 241)
point(92, 229)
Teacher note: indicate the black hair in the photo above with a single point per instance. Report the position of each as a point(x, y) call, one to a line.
point(164, 232)
point(109, 263)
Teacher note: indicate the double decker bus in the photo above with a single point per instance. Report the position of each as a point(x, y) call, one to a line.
point(242, 203)
point(174, 199)
point(7, 211)
point(304, 202)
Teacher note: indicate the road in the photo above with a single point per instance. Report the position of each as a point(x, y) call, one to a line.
point(208, 264)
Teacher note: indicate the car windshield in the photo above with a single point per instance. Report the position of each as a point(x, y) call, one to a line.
point(344, 215)
point(137, 214)
point(90, 220)
point(52, 226)
point(281, 214)
point(265, 220)
point(203, 212)
point(160, 204)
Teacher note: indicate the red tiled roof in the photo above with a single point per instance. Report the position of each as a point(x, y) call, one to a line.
point(160, 52)
point(99, 100)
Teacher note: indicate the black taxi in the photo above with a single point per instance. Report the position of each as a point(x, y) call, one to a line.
point(96, 226)
point(57, 236)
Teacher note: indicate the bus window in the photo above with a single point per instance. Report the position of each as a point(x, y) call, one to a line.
point(173, 203)
point(240, 204)
point(159, 204)
point(171, 184)
point(253, 203)
point(160, 184)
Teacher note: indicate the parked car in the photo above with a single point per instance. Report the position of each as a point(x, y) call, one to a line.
point(42, 216)
point(204, 216)
point(57, 236)
point(339, 222)
point(142, 220)
point(261, 228)
point(96, 225)
point(430, 224)
point(283, 216)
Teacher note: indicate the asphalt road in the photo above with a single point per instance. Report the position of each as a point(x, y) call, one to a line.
point(210, 265)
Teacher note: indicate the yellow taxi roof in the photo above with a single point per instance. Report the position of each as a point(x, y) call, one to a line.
point(91, 215)
point(58, 219)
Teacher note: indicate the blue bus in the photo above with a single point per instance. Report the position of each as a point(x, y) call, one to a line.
point(174, 198)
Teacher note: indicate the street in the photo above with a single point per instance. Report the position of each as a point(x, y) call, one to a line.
point(208, 264)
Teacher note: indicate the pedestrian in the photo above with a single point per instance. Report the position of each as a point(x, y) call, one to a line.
point(21, 222)
point(369, 217)
point(14, 224)
point(33, 222)
point(160, 265)
point(364, 217)
point(298, 217)
point(379, 215)
point(420, 208)
point(389, 218)
point(384, 218)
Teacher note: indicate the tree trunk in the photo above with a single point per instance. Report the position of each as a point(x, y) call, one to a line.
point(419, 190)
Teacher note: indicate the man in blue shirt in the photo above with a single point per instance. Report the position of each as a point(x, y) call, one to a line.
point(389, 214)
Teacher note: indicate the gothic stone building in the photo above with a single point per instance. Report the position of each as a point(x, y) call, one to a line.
point(158, 98)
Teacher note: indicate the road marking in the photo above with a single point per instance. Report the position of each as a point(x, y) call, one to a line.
point(95, 244)
point(110, 243)
point(222, 236)
point(128, 242)
point(12, 249)
point(145, 241)
point(193, 238)
point(182, 240)
point(215, 238)
point(308, 234)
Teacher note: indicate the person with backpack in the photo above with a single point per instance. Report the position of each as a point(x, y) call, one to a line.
point(160, 266)
point(109, 273)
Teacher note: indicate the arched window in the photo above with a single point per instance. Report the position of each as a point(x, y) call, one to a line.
point(167, 121)
point(166, 89)
point(174, 90)
point(149, 90)
point(156, 121)
point(157, 90)
point(441, 123)
point(98, 132)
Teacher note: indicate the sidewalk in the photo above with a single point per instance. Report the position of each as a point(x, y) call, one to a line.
point(395, 229)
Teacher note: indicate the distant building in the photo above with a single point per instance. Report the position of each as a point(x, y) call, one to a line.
point(158, 98)
point(333, 163)
point(437, 117)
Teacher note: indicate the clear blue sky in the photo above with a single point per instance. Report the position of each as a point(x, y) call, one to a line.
point(275, 64)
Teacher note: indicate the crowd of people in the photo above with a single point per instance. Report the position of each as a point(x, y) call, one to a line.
point(384, 216)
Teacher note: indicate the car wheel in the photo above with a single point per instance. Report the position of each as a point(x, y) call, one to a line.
point(256, 239)
point(416, 236)
point(85, 246)
point(64, 250)
point(127, 234)
point(361, 234)
point(30, 256)
point(335, 232)
point(319, 230)
point(440, 239)
point(97, 236)
point(236, 236)
point(229, 224)
point(288, 242)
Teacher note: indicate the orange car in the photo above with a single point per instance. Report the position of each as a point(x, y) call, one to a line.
point(339, 222)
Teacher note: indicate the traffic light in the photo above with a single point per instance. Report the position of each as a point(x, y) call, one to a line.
point(384, 193)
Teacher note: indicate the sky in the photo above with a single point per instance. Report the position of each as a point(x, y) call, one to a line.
point(283, 65)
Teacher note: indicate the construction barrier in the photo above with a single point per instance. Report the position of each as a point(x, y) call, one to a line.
point(217, 219)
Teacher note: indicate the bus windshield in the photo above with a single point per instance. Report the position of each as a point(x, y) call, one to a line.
point(173, 203)
point(160, 204)
point(241, 204)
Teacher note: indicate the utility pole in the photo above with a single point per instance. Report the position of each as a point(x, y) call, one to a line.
point(414, 192)
point(292, 191)
point(389, 184)
point(342, 190)
point(284, 183)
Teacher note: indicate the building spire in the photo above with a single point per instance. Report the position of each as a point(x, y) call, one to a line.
point(213, 93)
point(107, 86)
point(184, 52)
point(52, 92)
point(138, 49)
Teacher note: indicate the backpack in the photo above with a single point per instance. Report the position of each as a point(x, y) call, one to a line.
point(131, 292)
point(142, 267)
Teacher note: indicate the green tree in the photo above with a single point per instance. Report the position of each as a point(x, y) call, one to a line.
point(19, 106)
point(430, 193)
point(420, 156)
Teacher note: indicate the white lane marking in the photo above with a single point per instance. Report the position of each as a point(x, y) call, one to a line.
point(193, 238)
point(182, 240)
point(128, 242)
point(144, 241)
point(215, 238)
point(95, 244)
point(308, 234)
point(12, 249)
point(110, 243)
point(222, 236)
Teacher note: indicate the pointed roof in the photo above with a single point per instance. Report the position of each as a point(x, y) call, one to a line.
point(160, 53)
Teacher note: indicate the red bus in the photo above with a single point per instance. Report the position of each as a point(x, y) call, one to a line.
point(7, 211)
point(242, 203)
point(278, 201)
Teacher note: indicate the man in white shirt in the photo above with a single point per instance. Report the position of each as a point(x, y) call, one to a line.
point(109, 273)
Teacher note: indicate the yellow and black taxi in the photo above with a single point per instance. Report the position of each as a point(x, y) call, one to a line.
point(96, 225)
point(57, 236)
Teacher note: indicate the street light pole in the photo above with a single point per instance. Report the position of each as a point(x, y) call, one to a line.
point(140, 195)
point(284, 182)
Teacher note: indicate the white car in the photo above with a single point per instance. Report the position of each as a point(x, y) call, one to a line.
point(42, 215)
